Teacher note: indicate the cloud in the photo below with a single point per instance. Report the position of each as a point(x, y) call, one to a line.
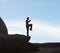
point(43, 28)
point(16, 27)
point(18, 24)
point(38, 27)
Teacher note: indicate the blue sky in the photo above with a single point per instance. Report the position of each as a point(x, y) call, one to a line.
point(45, 16)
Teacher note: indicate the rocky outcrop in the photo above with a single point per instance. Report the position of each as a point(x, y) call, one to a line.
point(3, 28)
point(15, 42)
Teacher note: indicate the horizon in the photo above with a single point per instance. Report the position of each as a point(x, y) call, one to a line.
point(44, 15)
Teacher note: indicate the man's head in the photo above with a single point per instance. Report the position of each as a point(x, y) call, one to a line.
point(27, 18)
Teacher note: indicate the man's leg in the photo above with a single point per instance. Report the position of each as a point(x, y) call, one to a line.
point(27, 31)
point(30, 26)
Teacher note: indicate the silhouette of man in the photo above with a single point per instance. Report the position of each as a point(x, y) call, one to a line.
point(28, 25)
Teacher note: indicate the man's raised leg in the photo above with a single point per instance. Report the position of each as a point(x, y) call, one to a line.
point(30, 26)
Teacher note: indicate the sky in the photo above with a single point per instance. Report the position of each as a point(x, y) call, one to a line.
point(44, 15)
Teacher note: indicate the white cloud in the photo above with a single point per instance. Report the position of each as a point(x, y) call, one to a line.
point(16, 27)
point(38, 27)
point(18, 24)
point(43, 28)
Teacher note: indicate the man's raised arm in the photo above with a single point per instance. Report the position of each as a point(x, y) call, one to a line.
point(29, 21)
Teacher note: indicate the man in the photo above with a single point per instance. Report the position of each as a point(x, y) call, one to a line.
point(28, 25)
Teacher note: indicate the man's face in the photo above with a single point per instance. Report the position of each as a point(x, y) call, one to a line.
point(27, 18)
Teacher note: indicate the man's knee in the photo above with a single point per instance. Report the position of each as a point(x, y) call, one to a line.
point(30, 24)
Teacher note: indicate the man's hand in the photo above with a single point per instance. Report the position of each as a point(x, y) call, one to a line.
point(29, 20)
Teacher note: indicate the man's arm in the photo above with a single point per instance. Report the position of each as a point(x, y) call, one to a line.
point(29, 20)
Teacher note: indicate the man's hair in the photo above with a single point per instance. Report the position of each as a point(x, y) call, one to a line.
point(27, 18)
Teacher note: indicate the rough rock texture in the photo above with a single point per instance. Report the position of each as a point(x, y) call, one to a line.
point(3, 28)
